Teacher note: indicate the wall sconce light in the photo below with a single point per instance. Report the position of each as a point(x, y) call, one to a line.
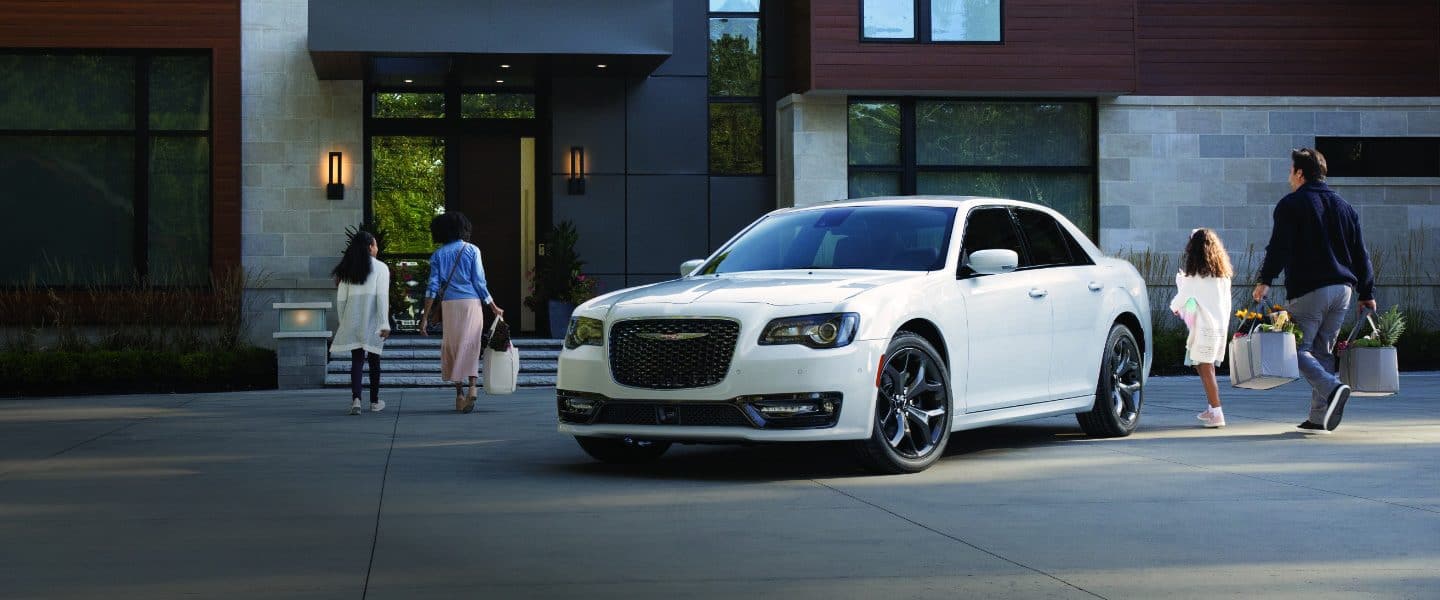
point(577, 170)
point(335, 189)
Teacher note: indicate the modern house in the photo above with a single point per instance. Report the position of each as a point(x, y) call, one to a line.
point(174, 137)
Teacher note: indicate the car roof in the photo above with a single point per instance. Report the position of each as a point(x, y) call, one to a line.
point(961, 202)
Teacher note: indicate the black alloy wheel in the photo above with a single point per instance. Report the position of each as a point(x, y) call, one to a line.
point(1119, 393)
point(912, 409)
point(622, 450)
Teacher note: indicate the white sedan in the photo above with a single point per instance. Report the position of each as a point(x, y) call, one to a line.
point(889, 322)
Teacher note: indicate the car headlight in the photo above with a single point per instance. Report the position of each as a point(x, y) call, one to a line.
point(831, 330)
point(584, 331)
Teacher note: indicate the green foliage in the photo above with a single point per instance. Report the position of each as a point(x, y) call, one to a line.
point(408, 190)
point(874, 133)
point(734, 57)
point(558, 274)
point(1390, 326)
point(135, 371)
point(497, 106)
point(736, 147)
point(409, 105)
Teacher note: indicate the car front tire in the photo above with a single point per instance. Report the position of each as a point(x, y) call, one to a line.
point(622, 450)
point(1119, 393)
point(912, 409)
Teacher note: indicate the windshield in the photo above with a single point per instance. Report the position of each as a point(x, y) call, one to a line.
point(896, 238)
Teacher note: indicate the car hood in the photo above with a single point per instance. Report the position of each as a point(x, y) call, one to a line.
point(776, 288)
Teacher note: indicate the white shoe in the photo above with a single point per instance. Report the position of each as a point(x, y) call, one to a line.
point(374, 406)
point(355, 406)
point(1212, 417)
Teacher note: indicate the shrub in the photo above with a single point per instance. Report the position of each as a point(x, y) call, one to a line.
point(135, 371)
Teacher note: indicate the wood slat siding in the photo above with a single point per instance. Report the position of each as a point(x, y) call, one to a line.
point(1052, 47)
point(1288, 47)
point(159, 24)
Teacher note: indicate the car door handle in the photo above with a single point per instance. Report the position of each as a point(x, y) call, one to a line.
point(1037, 293)
point(1096, 286)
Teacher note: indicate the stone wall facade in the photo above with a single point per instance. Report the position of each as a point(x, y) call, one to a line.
point(810, 151)
point(1170, 164)
point(291, 234)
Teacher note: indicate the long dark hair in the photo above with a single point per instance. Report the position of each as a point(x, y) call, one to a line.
point(354, 265)
point(1205, 255)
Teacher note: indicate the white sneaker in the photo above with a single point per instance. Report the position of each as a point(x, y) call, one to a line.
point(1212, 417)
point(374, 406)
point(355, 406)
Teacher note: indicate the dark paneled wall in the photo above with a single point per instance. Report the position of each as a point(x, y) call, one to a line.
point(213, 24)
point(1288, 47)
point(1050, 47)
point(650, 202)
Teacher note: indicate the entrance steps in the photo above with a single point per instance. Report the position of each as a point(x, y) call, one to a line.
point(414, 361)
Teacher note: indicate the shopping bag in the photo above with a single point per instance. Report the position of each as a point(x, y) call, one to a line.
point(501, 361)
point(1260, 360)
point(1369, 371)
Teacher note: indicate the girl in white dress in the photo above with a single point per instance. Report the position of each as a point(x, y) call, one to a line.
point(1202, 299)
point(362, 300)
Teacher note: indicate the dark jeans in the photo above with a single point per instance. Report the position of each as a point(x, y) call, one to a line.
point(357, 363)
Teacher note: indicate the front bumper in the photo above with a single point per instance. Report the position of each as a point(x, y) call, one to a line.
point(757, 374)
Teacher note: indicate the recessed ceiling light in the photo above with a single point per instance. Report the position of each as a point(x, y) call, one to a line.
point(409, 81)
point(499, 81)
point(601, 66)
point(504, 66)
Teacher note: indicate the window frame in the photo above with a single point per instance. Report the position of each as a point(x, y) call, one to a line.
point(923, 26)
point(758, 101)
point(142, 135)
point(909, 169)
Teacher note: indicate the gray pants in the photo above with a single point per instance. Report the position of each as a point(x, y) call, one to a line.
point(1319, 315)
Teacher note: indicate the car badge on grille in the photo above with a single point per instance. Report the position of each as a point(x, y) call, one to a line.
point(672, 337)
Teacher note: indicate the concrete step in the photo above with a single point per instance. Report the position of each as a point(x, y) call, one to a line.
point(414, 342)
point(427, 367)
point(402, 354)
point(411, 381)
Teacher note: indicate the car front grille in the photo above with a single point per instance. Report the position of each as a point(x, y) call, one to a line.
point(668, 354)
point(694, 415)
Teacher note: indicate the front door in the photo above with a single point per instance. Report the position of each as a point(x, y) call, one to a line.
point(491, 193)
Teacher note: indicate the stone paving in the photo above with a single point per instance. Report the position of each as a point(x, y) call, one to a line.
point(280, 495)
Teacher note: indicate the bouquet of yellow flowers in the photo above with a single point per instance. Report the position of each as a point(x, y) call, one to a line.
point(1275, 319)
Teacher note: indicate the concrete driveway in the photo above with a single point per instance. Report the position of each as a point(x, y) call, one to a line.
point(281, 495)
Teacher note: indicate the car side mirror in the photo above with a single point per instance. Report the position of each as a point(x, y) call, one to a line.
point(689, 266)
point(993, 262)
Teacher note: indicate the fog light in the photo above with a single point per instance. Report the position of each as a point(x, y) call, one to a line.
point(580, 406)
point(787, 409)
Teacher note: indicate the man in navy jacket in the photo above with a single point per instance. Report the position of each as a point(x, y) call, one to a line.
point(1316, 241)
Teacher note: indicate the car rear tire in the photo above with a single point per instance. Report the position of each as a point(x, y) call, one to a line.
point(912, 409)
point(1119, 393)
point(622, 450)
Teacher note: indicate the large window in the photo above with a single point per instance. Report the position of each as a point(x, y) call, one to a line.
point(1040, 151)
point(1380, 156)
point(106, 159)
point(737, 122)
point(931, 21)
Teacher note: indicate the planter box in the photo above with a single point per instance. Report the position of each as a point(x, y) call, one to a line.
point(1371, 371)
point(1263, 360)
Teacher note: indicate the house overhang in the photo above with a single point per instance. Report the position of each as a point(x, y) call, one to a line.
point(634, 35)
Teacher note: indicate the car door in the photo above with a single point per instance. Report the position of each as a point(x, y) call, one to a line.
point(1058, 264)
point(1008, 320)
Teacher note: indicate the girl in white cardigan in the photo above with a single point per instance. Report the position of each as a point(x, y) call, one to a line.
point(1202, 299)
point(362, 301)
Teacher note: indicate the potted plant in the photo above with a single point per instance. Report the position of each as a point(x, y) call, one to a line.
point(1264, 350)
point(1370, 365)
point(558, 285)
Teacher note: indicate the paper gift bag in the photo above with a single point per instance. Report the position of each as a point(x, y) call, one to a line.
point(1262, 360)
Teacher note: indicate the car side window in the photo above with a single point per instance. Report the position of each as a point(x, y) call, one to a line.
point(989, 229)
point(1049, 246)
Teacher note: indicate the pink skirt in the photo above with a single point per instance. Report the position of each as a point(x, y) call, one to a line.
point(462, 324)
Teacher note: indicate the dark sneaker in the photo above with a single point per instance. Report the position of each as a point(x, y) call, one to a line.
point(1335, 410)
point(1312, 428)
